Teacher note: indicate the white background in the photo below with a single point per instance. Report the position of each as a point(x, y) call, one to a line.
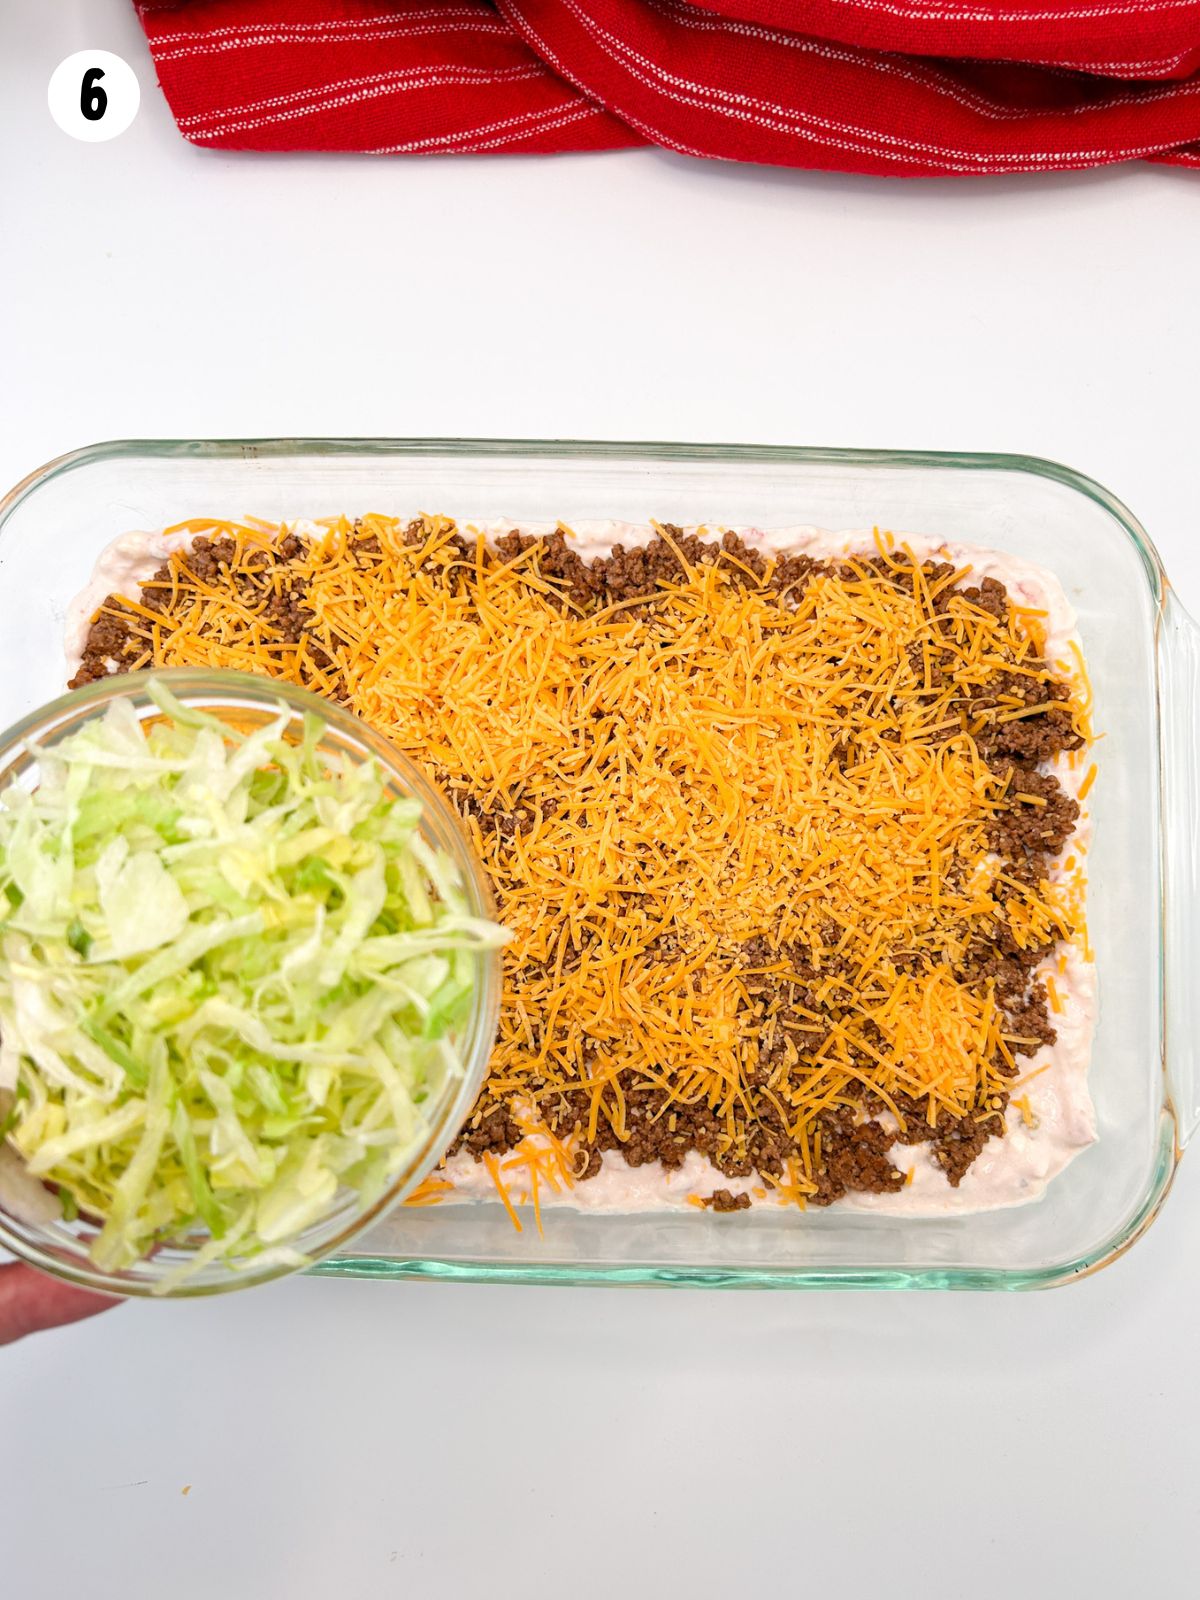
point(367, 1439)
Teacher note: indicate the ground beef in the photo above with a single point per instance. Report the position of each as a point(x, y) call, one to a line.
point(491, 1130)
point(1030, 829)
point(955, 1149)
point(725, 1200)
point(1029, 1018)
point(571, 577)
point(855, 1159)
point(208, 558)
point(507, 822)
point(990, 596)
point(646, 570)
point(114, 642)
point(120, 637)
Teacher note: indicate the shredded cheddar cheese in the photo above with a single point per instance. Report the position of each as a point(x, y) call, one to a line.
point(1055, 998)
point(429, 1192)
point(652, 792)
point(497, 1177)
point(1027, 1114)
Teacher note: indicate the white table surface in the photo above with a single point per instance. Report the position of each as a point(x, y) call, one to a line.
point(363, 1439)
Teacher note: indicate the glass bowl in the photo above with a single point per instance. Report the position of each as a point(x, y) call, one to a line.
point(60, 1247)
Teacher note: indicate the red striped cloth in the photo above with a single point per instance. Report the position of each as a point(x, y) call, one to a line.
point(904, 87)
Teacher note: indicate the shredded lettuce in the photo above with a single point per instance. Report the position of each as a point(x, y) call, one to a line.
point(231, 973)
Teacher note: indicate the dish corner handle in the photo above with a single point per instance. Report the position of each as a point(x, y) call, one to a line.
point(1180, 690)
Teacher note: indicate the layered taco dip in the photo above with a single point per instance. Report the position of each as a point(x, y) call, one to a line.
point(788, 829)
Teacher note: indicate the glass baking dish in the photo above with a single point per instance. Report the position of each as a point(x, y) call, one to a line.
point(1144, 655)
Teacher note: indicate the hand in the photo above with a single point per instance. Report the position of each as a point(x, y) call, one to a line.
point(30, 1302)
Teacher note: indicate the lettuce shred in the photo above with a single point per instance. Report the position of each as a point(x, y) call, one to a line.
point(231, 974)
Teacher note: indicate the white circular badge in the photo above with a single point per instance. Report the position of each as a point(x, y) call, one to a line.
point(94, 95)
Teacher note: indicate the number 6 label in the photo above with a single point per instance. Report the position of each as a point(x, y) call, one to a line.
point(94, 95)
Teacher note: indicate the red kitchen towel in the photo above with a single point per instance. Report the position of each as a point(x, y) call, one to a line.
point(904, 87)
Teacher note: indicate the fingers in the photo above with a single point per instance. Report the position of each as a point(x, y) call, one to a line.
point(30, 1302)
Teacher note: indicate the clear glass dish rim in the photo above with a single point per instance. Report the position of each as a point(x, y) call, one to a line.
point(1170, 1147)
